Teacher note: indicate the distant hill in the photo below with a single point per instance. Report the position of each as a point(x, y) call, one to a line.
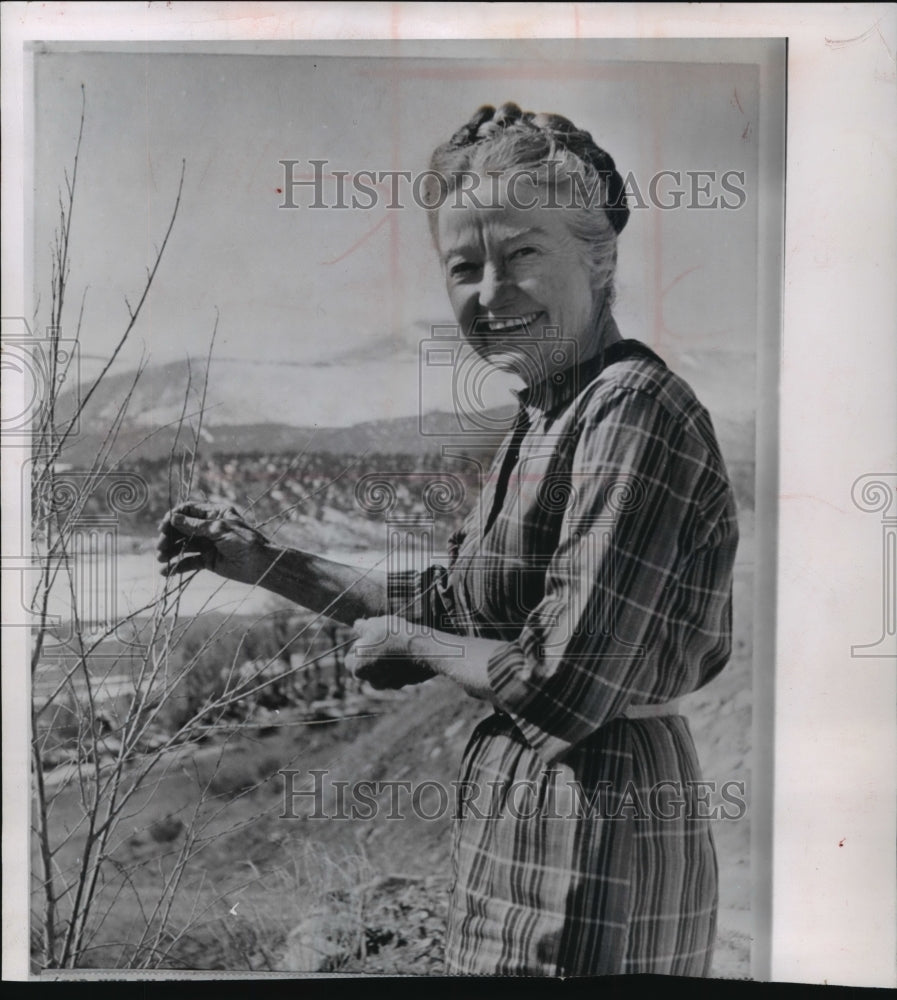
point(157, 401)
point(399, 435)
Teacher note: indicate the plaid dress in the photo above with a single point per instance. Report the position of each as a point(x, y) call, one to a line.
point(601, 554)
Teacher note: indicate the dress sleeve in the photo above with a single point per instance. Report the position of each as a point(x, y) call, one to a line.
point(637, 595)
point(426, 598)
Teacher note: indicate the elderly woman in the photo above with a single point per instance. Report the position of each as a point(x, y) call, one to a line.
point(589, 589)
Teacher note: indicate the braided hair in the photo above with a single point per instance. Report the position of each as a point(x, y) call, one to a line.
point(507, 138)
point(553, 132)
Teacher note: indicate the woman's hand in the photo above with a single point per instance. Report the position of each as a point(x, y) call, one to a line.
point(383, 654)
point(200, 535)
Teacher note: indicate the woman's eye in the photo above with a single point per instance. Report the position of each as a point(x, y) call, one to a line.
point(461, 269)
point(524, 252)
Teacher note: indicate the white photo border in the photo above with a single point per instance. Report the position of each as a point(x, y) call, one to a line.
point(830, 761)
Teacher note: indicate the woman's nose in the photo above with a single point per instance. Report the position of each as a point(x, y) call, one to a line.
point(494, 288)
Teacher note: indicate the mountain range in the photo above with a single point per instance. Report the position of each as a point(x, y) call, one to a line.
point(259, 409)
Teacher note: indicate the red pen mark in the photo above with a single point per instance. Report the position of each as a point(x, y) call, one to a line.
point(839, 43)
point(815, 499)
point(747, 128)
point(841, 842)
point(679, 277)
point(383, 190)
point(358, 242)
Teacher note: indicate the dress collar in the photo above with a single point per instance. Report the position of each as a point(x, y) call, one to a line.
point(562, 387)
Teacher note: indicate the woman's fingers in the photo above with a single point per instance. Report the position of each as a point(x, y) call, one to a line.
point(177, 536)
point(380, 654)
point(169, 541)
point(366, 631)
point(188, 531)
point(384, 672)
point(380, 679)
point(168, 548)
point(186, 565)
point(180, 552)
point(218, 536)
point(195, 525)
point(375, 630)
point(198, 508)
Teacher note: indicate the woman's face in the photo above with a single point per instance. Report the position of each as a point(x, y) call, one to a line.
point(518, 281)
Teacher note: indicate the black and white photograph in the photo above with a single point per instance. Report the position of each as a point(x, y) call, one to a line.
point(395, 454)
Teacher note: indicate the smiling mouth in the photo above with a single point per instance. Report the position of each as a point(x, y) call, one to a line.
point(516, 324)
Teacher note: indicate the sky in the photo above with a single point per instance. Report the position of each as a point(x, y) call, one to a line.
point(336, 303)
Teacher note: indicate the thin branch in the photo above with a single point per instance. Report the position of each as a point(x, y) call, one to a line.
point(130, 326)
